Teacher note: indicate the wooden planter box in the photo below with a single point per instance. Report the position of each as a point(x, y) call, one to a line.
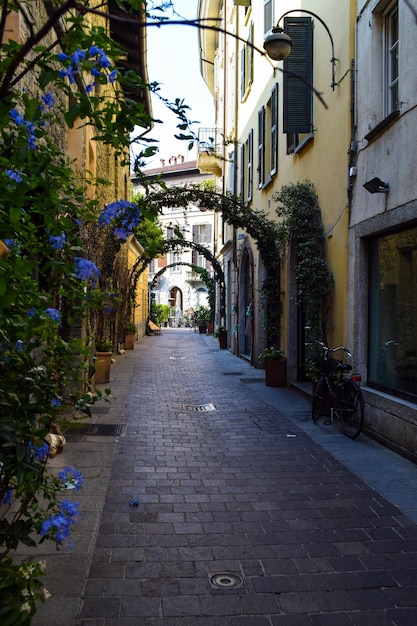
point(276, 372)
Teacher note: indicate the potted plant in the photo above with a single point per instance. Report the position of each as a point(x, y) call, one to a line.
point(202, 316)
point(221, 334)
point(275, 367)
point(130, 332)
point(104, 352)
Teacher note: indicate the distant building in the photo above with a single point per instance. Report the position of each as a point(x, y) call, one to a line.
point(173, 278)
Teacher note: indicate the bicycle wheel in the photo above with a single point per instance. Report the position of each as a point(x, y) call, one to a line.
point(318, 400)
point(350, 408)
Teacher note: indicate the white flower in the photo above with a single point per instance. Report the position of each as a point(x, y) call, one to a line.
point(25, 607)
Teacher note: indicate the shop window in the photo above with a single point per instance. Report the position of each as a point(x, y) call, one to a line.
point(392, 365)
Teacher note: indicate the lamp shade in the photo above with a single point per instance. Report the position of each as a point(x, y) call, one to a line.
point(277, 44)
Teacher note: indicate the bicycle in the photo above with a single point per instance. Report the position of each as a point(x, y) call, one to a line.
point(345, 393)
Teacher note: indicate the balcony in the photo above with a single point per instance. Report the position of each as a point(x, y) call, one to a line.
point(210, 151)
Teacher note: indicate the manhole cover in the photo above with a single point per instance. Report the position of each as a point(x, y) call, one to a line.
point(199, 407)
point(225, 580)
point(105, 430)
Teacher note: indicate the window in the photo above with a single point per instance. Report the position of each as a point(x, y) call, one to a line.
point(202, 233)
point(175, 259)
point(393, 312)
point(246, 168)
point(268, 15)
point(298, 95)
point(268, 139)
point(390, 39)
point(246, 65)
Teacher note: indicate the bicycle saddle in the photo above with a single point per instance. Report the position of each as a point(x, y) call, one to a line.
point(343, 367)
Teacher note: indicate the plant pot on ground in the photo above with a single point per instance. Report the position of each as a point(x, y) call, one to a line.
point(130, 333)
point(275, 367)
point(104, 353)
point(221, 335)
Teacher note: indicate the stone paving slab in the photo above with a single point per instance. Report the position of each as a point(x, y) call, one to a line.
point(240, 493)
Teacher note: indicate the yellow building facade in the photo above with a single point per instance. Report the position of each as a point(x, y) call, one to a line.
point(274, 136)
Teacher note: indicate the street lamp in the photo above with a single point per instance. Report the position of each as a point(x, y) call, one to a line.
point(278, 44)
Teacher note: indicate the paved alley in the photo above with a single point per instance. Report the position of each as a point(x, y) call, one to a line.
point(218, 503)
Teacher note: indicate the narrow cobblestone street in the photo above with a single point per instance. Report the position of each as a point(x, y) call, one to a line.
point(242, 518)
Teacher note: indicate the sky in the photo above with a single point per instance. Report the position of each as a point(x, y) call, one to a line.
point(173, 61)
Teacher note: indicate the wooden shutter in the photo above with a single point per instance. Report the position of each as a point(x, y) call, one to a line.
point(250, 166)
point(243, 72)
point(242, 171)
point(274, 130)
point(207, 233)
point(195, 233)
point(261, 147)
point(298, 95)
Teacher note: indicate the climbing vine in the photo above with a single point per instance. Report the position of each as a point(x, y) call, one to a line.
point(256, 223)
point(301, 225)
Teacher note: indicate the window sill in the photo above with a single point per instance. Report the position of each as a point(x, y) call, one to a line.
point(382, 126)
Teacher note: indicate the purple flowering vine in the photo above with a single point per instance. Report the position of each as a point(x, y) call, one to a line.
point(124, 215)
point(58, 527)
point(86, 270)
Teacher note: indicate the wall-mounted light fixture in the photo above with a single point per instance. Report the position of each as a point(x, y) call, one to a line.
point(278, 44)
point(376, 185)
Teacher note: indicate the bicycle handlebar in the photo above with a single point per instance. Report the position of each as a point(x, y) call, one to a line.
point(328, 350)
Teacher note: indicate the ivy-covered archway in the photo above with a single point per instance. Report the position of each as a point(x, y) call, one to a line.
point(143, 262)
point(205, 277)
point(237, 213)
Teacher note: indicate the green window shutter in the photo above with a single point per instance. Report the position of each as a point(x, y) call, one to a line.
point(261, 147)
point(242, 171)
point(274, 130)
point(298, 95)
point(250, 166)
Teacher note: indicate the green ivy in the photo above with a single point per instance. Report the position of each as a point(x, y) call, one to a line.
point(301, 225)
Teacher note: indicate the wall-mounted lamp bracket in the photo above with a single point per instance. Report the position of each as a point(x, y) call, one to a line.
point(278, 44)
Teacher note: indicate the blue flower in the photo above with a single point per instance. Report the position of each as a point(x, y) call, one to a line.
point(56, 402)
point(32, 312)
point(62, 56)
point(8, 496)
point(48, 100)
point(71, 478)
point(39, 453)
point(112, 76)
point(125, 214)
point(57, 241)
point(53, 314)
point(86, 269)
point(14, 175)
point(17, 117)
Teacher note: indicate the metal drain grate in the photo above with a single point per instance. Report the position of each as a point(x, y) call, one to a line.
point(199, 407)
point(232, 373)
point(105, 430)
point(225, 580)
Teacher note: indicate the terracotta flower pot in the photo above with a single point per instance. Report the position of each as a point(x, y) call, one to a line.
point(102, 366)
point(276, 372)
point(129, 341)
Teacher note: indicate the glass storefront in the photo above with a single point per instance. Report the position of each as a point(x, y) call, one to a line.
point(392, 363)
